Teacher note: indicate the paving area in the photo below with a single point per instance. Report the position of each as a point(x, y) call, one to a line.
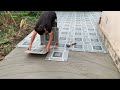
point(91, 61)
point(81, 28)
point(73, 27)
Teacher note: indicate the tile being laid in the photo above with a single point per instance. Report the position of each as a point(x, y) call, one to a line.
point(59, 54)
point(37, 50)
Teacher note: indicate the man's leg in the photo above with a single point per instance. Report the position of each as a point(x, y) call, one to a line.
point(55, 30)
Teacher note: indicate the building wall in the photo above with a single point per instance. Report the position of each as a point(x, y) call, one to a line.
point(110, 28)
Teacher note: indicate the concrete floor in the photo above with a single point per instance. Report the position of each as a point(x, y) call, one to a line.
point(80, 65)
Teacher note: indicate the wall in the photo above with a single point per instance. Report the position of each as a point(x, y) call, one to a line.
point(110, 27)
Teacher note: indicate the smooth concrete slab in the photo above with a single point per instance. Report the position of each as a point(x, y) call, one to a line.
point(80, 65)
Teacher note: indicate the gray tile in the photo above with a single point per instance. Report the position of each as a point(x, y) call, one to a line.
point(77, 28)
point(77, 33)
point(90, 29)
point(78, 39)
point(87, 43)
point(97, 47)
point(86, 39)
point(64, 33)
point(78, 46)
point(95, 40)
point(93, 34)
point(62, 38)
point(65, 28)
point(61, 45)
point(57, 54)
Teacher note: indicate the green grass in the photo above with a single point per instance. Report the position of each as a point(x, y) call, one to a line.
point(8, 33)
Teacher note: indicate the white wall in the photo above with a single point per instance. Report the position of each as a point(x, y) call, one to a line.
point(110, 25)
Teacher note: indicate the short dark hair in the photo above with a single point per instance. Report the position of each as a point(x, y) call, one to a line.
point(40, 30)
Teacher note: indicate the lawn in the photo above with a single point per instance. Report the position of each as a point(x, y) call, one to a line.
point(14, 26)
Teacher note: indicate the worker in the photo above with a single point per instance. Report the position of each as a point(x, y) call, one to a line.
point(46, 21)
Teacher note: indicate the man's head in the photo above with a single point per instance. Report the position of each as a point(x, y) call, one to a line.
point(41, 30)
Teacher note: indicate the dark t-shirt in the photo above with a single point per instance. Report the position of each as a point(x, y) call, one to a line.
point(46, 19)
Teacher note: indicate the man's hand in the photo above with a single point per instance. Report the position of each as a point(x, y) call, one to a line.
point(48, 49)
point(29, 47)
point(32, 39)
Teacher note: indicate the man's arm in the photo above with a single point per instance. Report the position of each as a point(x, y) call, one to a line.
point(50, 40)
point(32, 39)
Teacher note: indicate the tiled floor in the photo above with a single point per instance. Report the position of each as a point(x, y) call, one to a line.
point(79, 27)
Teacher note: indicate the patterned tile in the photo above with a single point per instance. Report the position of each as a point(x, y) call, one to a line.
point(77, 27)
point(58, 55)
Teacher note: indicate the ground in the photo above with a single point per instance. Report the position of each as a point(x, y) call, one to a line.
point(80, 65)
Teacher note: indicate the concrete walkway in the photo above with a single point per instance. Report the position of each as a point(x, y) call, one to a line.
point(80, 65)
